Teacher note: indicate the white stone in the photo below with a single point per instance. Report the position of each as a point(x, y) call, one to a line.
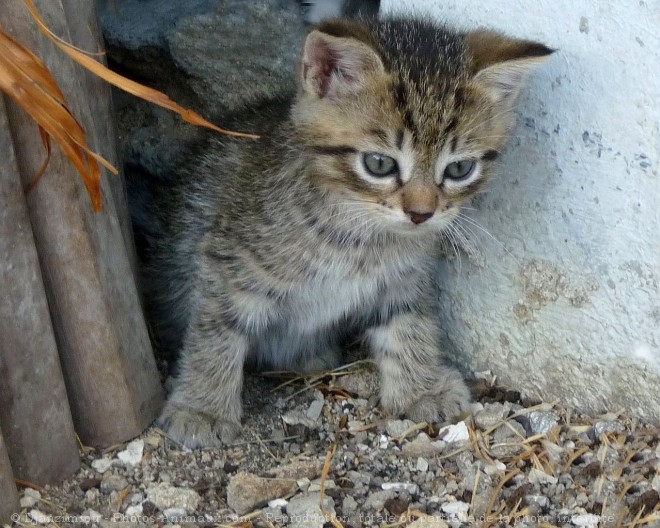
point(494, 467)
point(456, 509)
point(572, 213)
point(132, 455)
point(413, 489)
point(102, 465)
point(536, 476)
point(278, 503)
point(134, 511)
point(454, 433)
point(422, 465)
point(30, 498)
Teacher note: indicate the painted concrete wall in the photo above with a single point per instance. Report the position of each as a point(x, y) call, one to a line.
point(564, 300)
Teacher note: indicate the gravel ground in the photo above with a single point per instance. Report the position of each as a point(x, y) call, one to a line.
point(317, 452)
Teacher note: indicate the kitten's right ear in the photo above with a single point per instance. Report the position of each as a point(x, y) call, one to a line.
point(502, 64)
point(334, 66)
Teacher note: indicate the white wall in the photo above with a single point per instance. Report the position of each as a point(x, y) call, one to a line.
point(567, 303)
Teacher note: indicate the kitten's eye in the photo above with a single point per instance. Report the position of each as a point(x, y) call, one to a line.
point(460, 170)
point(379, 165)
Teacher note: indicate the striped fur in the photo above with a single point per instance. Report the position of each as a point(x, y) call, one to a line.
point(276, 251)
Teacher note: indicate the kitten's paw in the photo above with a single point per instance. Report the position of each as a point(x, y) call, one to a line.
point(447, 400)
point(194, 429)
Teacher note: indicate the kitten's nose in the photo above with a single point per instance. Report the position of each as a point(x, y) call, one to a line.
point(419, 218)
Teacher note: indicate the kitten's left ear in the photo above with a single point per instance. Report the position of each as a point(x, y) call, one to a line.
point(334, 66)
point(501, 64)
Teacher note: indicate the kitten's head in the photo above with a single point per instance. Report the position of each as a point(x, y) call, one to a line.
point(403, 119)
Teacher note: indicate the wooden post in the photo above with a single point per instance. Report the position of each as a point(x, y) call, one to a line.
point(8, 494)
point(109, 369)
point(34, 411)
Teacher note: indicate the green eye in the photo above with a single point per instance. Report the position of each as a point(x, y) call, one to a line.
point(460, 170)
point(379, 165)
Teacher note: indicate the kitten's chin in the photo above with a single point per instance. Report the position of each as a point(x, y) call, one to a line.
point(411, 230)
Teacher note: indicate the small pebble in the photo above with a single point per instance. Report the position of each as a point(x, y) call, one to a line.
point(397, 428)
point(174, 514)
point(454, 433)
point(456, 509)
point(315, 409)
point(536, 476)
point(101, 465)
point(113, 483)
point(413, 489)
point(132, 455)
point(30, 498)
point(349, 505)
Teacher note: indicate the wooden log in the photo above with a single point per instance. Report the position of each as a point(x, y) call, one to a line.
point(109, 369)
point(84, 30)
point(8, 494)
point(34, 410)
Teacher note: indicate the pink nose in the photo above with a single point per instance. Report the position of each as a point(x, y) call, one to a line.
point(418, 218)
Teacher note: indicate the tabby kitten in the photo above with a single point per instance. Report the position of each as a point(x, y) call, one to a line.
point(276, 251)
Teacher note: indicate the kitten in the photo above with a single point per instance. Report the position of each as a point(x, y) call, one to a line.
point(276, 251)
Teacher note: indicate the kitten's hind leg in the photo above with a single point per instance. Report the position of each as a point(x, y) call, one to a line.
point(414, 381)
point(204, 409)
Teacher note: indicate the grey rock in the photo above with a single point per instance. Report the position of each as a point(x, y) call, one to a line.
point(507, 443)
point(247, 492)
point(349, 505)
point(314, 410)
point(538, 422)
point(112, 483)
point(605, 427)
point(299, 469)
point(359, 478)
point(165, 496)
point(305, 511)
point(491, 414)
point(396, 428)
point(174, 514)
point(422, 446)
point(365, 384)
point(376, 500)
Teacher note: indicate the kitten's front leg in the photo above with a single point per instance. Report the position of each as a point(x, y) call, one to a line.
point(414, 381)
point(205, 410)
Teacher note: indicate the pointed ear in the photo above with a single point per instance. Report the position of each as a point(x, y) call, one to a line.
point(333, 66)
point(501, 64)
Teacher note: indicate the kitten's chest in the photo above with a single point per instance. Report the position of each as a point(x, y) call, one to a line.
point(343, 294)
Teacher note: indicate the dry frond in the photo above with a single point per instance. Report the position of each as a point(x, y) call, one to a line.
point(27, 80)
